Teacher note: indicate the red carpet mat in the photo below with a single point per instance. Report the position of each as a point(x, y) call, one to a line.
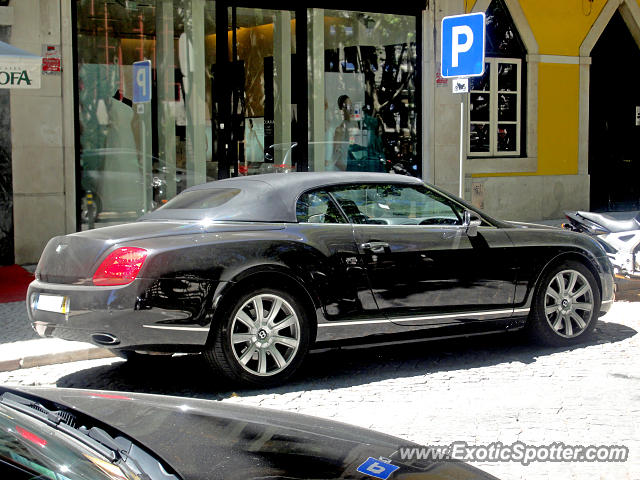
point(14, 281)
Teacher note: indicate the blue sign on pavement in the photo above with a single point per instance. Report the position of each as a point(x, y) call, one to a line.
point(463, 38)
point(377, 468)
point(142, 81)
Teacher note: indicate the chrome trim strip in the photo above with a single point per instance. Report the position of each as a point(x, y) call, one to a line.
point(427, 317)
point(190, 329)
point(452, 315)
point(606, 301)
point(343, 324)
point(521, 310)
point(413, 340)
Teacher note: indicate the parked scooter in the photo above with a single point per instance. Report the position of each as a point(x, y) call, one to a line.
point(619, 238)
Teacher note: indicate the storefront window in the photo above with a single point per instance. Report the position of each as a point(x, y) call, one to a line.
point(362, 91)
point(264, 104)
point(207, 107)
point(136, 155)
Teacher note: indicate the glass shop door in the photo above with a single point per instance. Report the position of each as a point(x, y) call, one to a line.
point(256, 105)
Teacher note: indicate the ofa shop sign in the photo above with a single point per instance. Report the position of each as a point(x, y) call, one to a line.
point(19, 75)
point(18, 68)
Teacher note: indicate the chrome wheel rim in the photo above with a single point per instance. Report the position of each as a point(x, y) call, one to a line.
point(265, 335)
point(568, 303)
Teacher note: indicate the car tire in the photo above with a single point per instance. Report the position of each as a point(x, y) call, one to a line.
point(261, 340)
point(565, 305)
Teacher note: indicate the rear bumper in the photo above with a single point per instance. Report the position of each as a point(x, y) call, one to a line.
point(141, 315)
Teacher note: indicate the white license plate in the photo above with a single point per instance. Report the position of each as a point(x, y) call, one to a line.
point(53, 303)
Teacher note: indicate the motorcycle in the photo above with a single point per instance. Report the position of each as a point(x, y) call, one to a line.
point(619, 238)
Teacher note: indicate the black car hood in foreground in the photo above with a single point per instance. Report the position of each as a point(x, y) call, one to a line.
point(202, 439)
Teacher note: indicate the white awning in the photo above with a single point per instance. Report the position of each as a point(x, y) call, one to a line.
point(19, 68)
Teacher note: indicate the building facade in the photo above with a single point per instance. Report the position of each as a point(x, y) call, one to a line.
point(155, 96)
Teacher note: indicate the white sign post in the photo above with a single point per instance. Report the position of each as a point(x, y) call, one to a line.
point(142, 89)
point(463, 48)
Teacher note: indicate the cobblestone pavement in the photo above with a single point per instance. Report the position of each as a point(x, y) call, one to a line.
point(14, 323)
point(480, 390)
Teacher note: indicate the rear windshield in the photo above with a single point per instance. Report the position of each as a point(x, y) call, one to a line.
point(201, 199)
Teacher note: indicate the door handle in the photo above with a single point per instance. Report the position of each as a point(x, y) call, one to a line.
point(375, 247)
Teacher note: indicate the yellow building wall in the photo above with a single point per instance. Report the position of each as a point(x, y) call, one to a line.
point(559, 27)
point(558, 114)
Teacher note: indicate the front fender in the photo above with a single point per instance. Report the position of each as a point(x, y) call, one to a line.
point(539, 249)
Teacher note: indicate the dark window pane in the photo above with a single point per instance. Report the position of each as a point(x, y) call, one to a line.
point(199, 199)
point(506, 138)
point(503, 39)
point(481, 83)
point(508, 76)
point(479, 137)
point(479, 108)
point(507, 107)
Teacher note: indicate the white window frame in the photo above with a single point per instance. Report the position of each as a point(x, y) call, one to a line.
point(493, 122)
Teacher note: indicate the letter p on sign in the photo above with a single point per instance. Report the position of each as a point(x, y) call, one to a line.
point(456, 46)
point(463, 44)
point(142, 81)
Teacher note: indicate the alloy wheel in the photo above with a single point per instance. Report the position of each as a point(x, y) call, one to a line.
point(265, 335)
point(568, 303)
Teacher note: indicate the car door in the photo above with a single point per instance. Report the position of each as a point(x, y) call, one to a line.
point(425, 266)
point(341, 280)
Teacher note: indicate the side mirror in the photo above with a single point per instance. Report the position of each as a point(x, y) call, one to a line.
point(471, 222)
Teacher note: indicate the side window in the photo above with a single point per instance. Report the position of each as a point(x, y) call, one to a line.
point(389, 204)
point(317, 207)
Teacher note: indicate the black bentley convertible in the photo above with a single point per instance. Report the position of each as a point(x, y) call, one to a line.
point(255, 271)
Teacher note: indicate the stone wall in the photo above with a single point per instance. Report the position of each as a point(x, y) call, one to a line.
point(529, 198)
point(42, 132)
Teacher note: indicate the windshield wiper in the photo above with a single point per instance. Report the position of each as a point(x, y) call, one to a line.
point(95, 438)
point(117, 450)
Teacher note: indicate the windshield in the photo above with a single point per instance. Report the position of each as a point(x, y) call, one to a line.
point(29, 448)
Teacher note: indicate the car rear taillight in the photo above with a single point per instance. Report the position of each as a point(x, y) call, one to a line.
point(120, 267)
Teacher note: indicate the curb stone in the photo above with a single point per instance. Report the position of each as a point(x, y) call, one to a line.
point(52, 358)
point(90, 353)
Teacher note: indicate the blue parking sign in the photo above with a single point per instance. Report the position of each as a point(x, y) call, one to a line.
point(463, 44)
point(377, 468)
point(142, 81)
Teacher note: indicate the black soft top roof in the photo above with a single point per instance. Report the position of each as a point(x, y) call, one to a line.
point(271, 197)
